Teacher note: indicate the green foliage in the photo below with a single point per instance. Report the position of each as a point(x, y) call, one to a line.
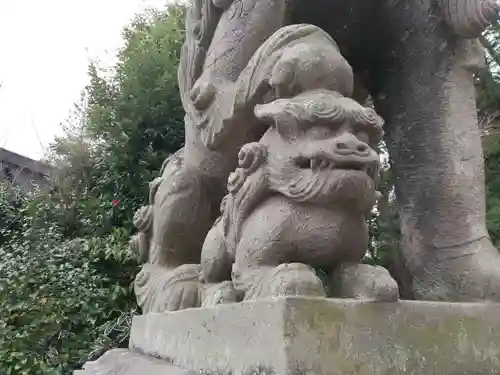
point(12, 202)
point(129, 120)
point(489, 110)
point(487, 82)
point(492, 170)
point(66, 270)
point(135, 116)
point(80, 171)
point(62, 299)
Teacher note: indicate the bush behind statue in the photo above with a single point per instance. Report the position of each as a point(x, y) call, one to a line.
point(63, 300)
point(66, 271)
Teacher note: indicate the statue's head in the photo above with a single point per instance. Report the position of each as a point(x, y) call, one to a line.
point(320, 149)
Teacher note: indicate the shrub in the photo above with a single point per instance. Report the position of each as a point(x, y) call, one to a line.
point(63, 301)
point(12, 202)
point(66, 271)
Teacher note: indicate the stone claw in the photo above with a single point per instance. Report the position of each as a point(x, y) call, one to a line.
point(221, 293)
point(365, 282)
point(289, 279)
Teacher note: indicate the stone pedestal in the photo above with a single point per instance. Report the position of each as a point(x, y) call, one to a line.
point(126, 362)
point(292, 336)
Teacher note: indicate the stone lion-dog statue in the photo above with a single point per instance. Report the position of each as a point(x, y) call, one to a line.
point(298, 202)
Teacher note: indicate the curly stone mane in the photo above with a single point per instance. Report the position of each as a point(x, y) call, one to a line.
point(247, 186)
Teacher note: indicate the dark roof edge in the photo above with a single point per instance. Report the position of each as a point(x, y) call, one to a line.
point(24, 162)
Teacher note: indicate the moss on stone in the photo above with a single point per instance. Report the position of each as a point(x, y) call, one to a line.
point(400, 340)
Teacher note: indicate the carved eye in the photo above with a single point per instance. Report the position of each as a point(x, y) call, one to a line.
point(319, 132)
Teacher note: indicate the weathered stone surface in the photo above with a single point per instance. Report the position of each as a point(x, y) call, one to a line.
point(428, 103)
point(321, 336)
point(125, 362)
point(410, 56)
point(300, 193)
point(299, 200)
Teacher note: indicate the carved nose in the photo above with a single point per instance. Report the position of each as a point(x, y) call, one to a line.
point(349, 144)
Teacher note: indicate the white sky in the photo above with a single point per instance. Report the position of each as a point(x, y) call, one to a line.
point(45, 48)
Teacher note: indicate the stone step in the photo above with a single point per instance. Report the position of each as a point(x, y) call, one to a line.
point(126, 362)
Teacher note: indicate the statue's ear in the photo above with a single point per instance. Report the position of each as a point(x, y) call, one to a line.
point(276, 116)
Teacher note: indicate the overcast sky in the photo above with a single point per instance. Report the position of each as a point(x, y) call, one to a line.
point(45, 47)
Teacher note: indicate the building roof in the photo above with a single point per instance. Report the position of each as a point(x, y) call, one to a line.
point(23, 162)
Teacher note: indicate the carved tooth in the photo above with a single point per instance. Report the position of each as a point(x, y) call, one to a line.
point(323, 164)
point(314, 163)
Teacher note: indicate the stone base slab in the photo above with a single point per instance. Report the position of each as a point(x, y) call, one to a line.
point(292, 336)
point(125, 362)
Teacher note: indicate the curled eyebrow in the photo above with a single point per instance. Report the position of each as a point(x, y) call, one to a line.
point(306, 110)
point(359, 118)
point(371, 123)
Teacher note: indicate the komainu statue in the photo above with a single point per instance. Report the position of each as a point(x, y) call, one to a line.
point(240, 58)
point(185, 201)
point(299, 201)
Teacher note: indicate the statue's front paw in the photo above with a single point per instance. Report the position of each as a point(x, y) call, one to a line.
point(295, 279)
point(221, 293)
point(365, 282)
point(290, 279)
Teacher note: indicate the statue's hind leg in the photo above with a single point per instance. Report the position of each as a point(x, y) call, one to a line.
point(182, 214)
point(426, 95)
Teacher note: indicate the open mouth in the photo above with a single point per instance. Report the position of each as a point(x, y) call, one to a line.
point(317, 163)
